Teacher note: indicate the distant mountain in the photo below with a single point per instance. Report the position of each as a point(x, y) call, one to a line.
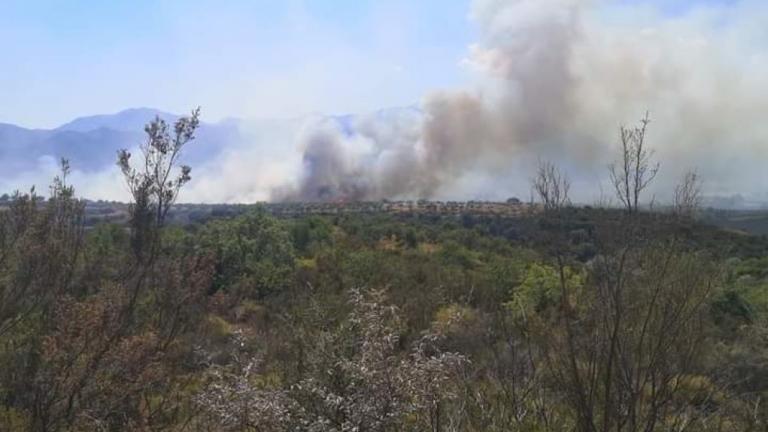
point(91, 143)
point(20, 148)
point(130, 120)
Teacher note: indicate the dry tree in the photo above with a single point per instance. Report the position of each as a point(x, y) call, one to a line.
point(688, 195)
point(634, 170)
point(551, 186)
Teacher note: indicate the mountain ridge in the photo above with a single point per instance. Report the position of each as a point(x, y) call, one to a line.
point(127, 119)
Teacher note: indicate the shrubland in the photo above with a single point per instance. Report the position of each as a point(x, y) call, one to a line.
point(584, 319)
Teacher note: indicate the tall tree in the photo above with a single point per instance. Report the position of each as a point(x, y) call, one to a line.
point(156, 182)
point(634, 170)
point(551, 186)
point(688, 195)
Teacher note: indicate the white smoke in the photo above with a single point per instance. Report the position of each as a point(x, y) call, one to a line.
point(556, 78)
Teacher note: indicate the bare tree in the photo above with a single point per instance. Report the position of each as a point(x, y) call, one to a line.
point(551, 186)
point(634, 170)
point(688, 195)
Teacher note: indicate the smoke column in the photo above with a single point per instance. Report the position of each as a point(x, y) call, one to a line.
point(555, 79)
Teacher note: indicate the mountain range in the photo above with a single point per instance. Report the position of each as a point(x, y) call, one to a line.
point(91, 143)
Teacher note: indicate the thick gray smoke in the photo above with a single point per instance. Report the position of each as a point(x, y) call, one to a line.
point(525, 53)
point(555, 79)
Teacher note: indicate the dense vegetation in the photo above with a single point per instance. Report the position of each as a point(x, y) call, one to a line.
point(570, 319)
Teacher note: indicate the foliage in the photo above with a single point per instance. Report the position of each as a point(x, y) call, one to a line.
point(540, 290)
point(577, 319)
point(254, 255)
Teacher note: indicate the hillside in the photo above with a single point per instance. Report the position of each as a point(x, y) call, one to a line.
point(456, 307)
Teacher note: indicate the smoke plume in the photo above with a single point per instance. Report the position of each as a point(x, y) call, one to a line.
point(554, 80)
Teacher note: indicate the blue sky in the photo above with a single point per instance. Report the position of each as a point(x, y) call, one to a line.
point(262, 58)
point(250, 58)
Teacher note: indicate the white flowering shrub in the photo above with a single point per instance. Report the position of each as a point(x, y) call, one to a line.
point(358, 379)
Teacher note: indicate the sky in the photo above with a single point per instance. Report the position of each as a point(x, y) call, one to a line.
point(244, 58)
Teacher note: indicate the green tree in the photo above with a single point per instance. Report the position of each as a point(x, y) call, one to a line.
point(254, 255)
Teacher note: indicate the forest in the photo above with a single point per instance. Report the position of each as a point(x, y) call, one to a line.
point(573, 318)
